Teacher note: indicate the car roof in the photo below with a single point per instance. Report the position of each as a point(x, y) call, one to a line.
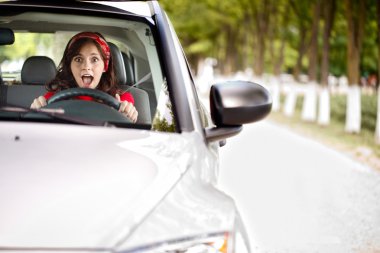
point(140, 8)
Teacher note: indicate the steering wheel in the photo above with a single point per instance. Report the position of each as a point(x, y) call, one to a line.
point(93, 93)
point(108, 110)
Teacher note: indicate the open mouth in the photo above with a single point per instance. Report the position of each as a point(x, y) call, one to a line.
point(87, 79)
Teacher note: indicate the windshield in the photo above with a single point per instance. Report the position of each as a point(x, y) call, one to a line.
point(44, 61)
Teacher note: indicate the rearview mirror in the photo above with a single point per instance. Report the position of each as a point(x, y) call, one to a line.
point(7, 37)
point(235, 103)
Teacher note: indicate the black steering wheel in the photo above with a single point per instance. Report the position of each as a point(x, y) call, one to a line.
point(108, 110)
point(93, 93)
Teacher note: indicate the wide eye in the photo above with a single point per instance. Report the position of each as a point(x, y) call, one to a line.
point(77, 59)
point(95, 59)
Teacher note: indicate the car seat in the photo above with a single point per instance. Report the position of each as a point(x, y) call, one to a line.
point(145, 82)
point(38, 70)
point(35, 73)
point(128, 69)
point(141, 97)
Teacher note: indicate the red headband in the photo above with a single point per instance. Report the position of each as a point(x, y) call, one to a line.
point(102, 43)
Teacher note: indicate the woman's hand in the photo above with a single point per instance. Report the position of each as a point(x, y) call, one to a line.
point(38, 102)
point(127, 109)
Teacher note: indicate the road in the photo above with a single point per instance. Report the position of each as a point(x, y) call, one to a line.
point(296, 195)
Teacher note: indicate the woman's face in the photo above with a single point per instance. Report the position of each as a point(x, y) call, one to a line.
point(87, 66)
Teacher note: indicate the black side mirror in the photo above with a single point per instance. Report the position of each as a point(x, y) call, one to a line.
point(235, 103)
point(7, 36)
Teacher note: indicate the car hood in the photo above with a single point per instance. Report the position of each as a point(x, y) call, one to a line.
point(80, 187)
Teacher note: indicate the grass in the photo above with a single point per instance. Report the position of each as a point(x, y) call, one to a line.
point(361, 147)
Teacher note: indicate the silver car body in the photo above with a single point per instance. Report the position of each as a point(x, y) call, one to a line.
point(78, 188)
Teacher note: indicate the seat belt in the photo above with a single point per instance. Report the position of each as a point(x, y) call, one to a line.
point(143, 79)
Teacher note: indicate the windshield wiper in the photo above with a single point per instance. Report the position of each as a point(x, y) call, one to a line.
point(52, 113)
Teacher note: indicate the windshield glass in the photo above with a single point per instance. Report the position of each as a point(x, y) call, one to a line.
point(53, 53)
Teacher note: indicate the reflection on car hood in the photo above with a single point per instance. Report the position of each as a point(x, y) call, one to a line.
point(81, 187)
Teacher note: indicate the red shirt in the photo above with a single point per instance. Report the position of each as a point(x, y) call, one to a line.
point(126, 96)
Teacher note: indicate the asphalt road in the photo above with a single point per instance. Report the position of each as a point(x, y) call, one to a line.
point(296, 195)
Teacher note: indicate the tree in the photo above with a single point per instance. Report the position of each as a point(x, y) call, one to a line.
point(277, 41)
point(377, 131)
point(258, 14)
point(313, 48)
point(378, 44)
point(355, 14)
point(328, 16)
point(309, 109)
point(278, 35)
point(324, 99)
point(189, 19)
point(301, 12)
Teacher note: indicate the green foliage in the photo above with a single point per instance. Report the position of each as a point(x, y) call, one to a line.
point(338, 108)
point(369, 110)
point(291, 55)
point(160, 121)
point(369, 56)
point(200, 46)
point(162, 125)
point(338, 42)
point(26, 44)
point(189, 19)
point(204, 28)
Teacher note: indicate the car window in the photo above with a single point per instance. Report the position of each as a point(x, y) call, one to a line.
point(47, 34)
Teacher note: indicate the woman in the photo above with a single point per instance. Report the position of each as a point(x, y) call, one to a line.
point(87, 63)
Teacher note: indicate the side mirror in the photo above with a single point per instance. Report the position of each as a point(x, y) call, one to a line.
point(235, 103)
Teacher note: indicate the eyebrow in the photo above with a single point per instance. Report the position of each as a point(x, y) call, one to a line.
point(92, 54)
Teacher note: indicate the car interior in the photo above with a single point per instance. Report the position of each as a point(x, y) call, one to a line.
point(132, 48)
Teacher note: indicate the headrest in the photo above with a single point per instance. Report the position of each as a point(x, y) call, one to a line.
point(38, 70)
point(7, 37)
point(118, 63)
point(128, 69)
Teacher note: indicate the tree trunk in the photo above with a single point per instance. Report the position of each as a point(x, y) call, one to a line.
point(276, 79)
point(275, 92)
point(261, 13)
point(329, 12)
point(355, 11)
point(300, 9)
point(277, 56)
point(259, 61)
point(353, 110)
point(247, 42)
point(290, 102)
point(272, 32)
point(279, 60)
point(324, 107)
point(324, 97)
point(313, 49)
point(309, 107)
point(230, 60)
point(377, 132)
point(301, 52)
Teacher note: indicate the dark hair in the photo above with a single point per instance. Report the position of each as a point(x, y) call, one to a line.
point(64, 78)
